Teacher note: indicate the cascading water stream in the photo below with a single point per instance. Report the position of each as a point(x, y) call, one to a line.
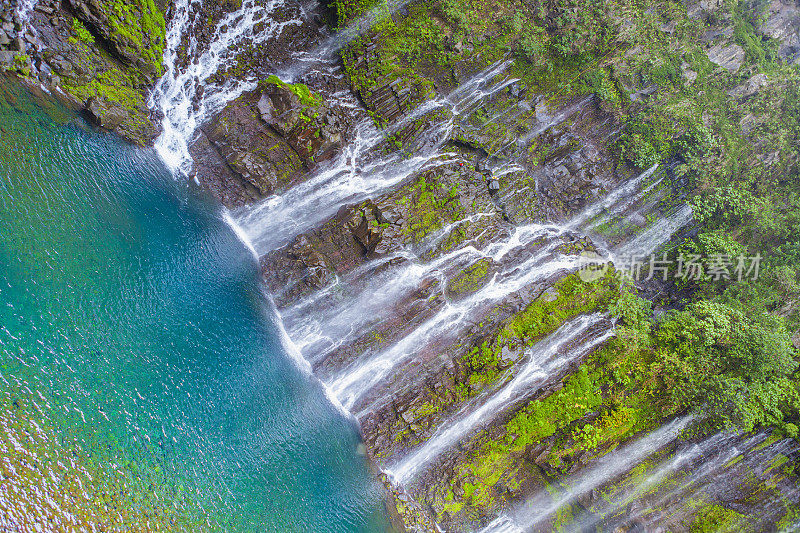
point(357, 173)
point(305, 60)
point(621, 193)
point(355, 382)
point(187, 98)
point(23, 11)
point(372, 295)
point(649, 240)
point(331, 328)
point(542, 505)
point(686, 457)
point(755, 454)
point(542, 362)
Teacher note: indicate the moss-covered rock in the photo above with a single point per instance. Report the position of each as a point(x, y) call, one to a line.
point(134, 30)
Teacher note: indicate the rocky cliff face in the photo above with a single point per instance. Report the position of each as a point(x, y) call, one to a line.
point(417, 259)
point(423, 201)
point(101, 55)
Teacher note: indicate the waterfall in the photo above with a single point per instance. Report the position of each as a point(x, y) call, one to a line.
point(23, 13)
point(546, 121)
point(291, 348)
point(355, 382)
point(686, 457)
point(623, 206)
point(609, 201)
point(336, 325)
point(357, 174)
point(542, 505)
point(755, 456)
point(649, 240)
point(276, 220)
point(190, 95)
point(355, 29)
point(187, 98)
point(542, 362)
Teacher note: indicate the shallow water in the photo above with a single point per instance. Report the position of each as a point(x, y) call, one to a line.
point(143, 377)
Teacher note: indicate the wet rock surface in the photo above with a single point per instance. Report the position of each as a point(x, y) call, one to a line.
point(77, 50)
point(410, 301)
point(271, 140)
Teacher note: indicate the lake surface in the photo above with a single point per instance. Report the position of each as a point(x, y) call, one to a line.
point(143, 377)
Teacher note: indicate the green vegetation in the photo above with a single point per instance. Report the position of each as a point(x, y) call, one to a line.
point(348, 10)
point(568, 298)
point(303, 93)
point(729, 142)
point(80, 30)
point(717, 518)
point(118, 87)
point(432, 205)
point(139, 28)
point(470, 279)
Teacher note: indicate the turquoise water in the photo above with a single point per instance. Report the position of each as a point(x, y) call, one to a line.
point(138, 343)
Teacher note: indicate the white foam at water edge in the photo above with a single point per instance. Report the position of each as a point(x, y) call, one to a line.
point(294, 352)
point(240, 233)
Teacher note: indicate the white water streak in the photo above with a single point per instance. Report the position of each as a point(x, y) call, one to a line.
point(337, 326)
point(539, 366)
point(649, 240)
point(618, 194)
point(305, 367)
point(681, 459)
point(354, 383)
point(178, 93)
point(23, 12)
point(358, 174)
point(240, 233)
point(325, 51)
point(542, 505)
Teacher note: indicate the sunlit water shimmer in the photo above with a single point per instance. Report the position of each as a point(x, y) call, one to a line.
point(143, 380)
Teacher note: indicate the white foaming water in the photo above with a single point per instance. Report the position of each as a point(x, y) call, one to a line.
point(540, 365)
point(278, 219)
point(649, 240)
point(177, 94)
point(362, 376)
point(340, 324)
point(708, 473)
point(433, 240)
point(358, 174)
point(609, 201)
point(542, 505)
point(24, 9)
point(23, 13)
point(304, 365)
point(354, 383)
point(226, 216)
